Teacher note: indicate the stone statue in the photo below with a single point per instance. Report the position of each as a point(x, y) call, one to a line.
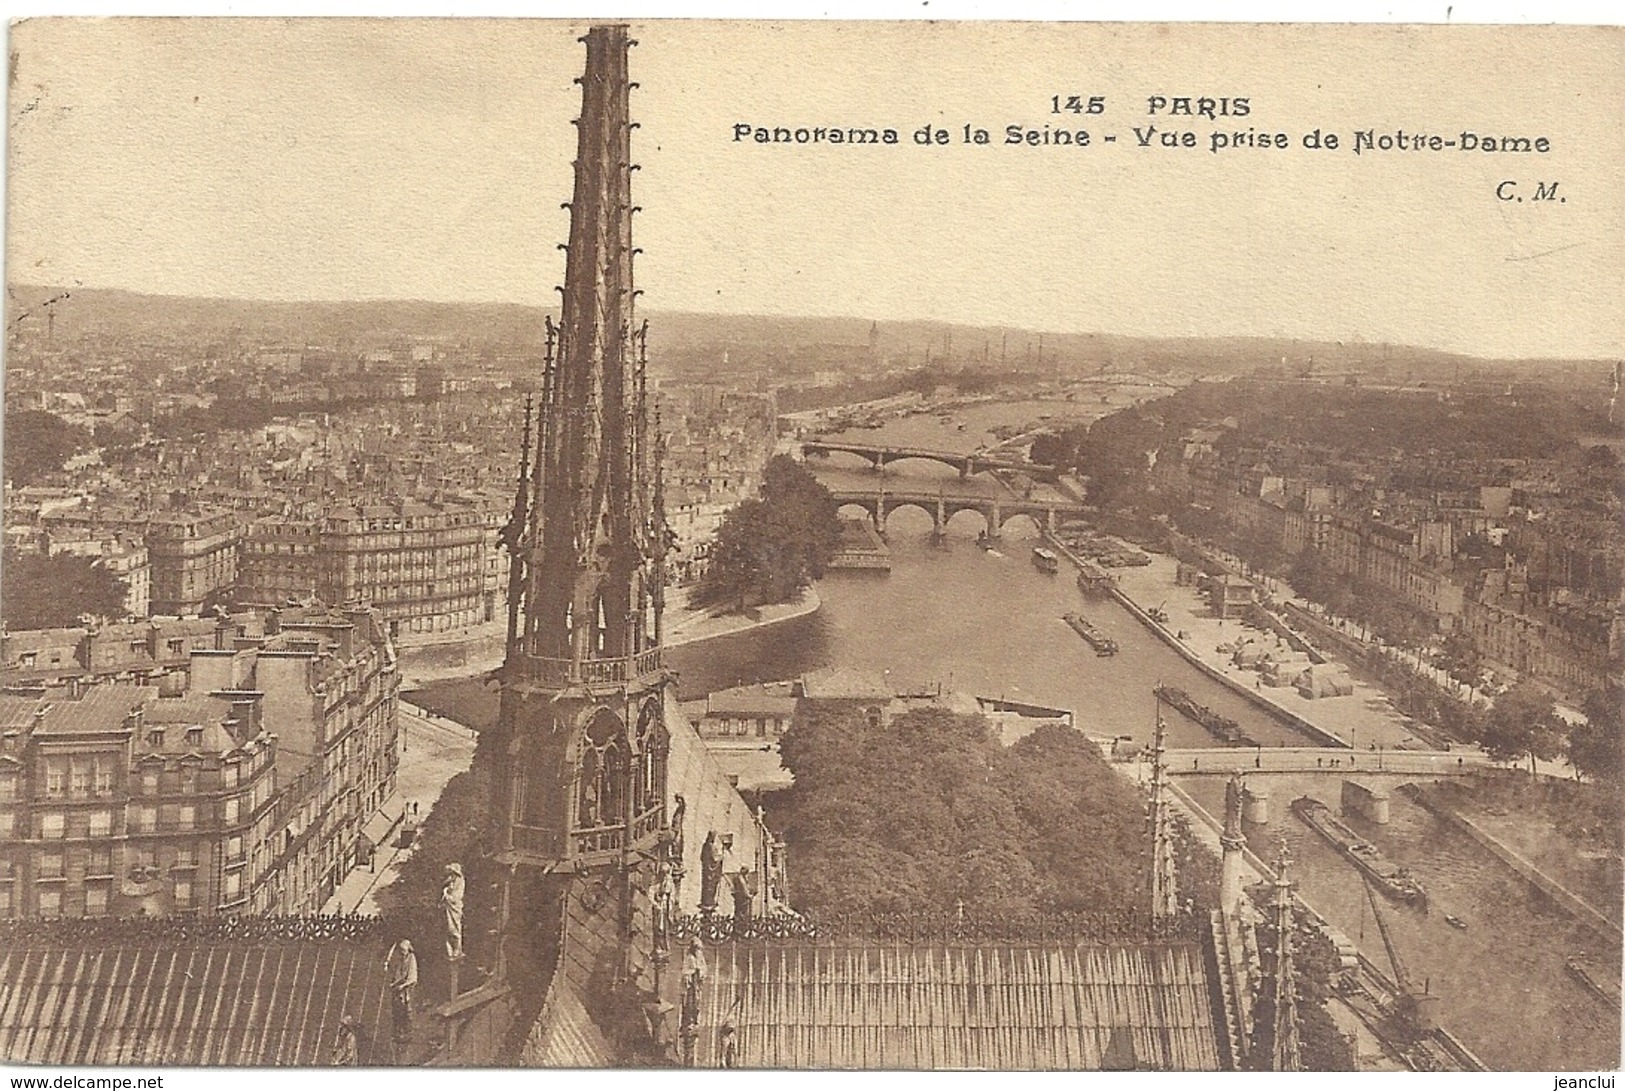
point(402, 969)
point(744, 896)
point(679, 811)
point(710, 872)
point(1232, 806)
point(346, 1047)
point(451, 902)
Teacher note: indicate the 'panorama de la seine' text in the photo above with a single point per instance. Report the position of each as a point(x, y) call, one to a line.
point(1173, 122)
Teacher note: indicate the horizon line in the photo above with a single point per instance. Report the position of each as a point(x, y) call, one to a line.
point(410, 300)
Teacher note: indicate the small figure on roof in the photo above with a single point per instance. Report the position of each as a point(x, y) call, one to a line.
point(402, 968)
point(728, 1047)
point(347, 1047)
point(451, 901)
point(744, 897)
point(710, 872)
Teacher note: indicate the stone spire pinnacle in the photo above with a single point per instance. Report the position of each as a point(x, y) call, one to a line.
point(1285, 1057)
point(596, 539)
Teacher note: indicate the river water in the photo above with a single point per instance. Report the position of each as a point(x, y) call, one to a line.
point(1502, 985)
point(989, 623)
point(982, 622)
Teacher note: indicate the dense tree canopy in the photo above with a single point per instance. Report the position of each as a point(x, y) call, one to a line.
point(1523, 723)
point(51, 592)
point(1597, 747)
point(933, 809)
point(38, 443)
point(768, 549)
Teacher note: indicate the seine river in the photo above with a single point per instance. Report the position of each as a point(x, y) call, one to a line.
point(989, 623)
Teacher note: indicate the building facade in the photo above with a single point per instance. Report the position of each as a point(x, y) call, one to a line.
point(245, 788)
point(115, 801)
point(328, 683)
point(421, 564)
point(194, 560)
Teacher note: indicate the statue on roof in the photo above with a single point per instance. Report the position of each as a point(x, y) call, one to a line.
point(451, 903)
point(711, 854)
point(1233, 790)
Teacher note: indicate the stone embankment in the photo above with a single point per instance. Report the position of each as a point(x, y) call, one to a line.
point(1578, 907)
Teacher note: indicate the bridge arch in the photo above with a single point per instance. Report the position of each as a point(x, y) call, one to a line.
point(836, 458)
point(894, 506)
point(1025, 525)
point(965, 517)
point(924, 467)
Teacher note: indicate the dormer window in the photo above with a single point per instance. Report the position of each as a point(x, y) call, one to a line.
point(155, 738)
point(194, 736)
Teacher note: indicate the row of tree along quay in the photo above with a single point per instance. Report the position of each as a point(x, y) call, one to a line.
point(1424, 443)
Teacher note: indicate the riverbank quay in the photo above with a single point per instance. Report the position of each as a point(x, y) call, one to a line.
point(1432, 800)
point(688, 624)
point(483, 649)
point(1365, 719)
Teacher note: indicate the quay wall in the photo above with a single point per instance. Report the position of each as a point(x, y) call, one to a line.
point(1257, 699)
point(1577, 906)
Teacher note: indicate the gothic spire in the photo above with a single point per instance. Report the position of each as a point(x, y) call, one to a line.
point(591, 567)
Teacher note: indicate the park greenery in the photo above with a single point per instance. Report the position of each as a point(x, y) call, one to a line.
point(58, 592)
point(38, 443)
point(769, 548)
point(933, 810)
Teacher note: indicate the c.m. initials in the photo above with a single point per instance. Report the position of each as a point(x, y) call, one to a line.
point(1544, 191)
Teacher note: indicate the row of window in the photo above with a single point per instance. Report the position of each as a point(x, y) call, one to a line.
point(143, 818)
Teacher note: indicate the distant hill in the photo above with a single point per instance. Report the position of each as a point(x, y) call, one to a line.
point(118, 313)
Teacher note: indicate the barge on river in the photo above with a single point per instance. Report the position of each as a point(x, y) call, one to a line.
point(1046, 561)
point(1099, 641)
point(1227, 730)
point(1394, 881)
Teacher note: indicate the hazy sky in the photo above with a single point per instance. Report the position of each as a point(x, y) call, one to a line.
point(428, 159)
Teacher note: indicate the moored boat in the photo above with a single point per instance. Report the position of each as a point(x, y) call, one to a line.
point(1222, 726)
point(1395, 882)
point(1099, 641)
point(1046, 561)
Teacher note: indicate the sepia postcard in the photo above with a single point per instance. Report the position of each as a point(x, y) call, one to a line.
point(812, 545)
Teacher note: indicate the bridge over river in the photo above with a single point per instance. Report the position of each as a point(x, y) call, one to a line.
point(1329, 761)
point(941, 498)
point(967, 463)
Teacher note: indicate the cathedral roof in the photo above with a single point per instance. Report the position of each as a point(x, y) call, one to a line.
point(175, 993)
point(924, 1005)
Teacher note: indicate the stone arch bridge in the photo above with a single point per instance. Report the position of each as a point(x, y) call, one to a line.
point(966, 464)
point(941, 506)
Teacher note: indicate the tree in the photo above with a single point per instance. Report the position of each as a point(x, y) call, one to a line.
point(54, 592)
point(38, 443)
point(769, 549)
point(1523, 721)
point(932, 809)
point(1461, 660)
point(1597, 747)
